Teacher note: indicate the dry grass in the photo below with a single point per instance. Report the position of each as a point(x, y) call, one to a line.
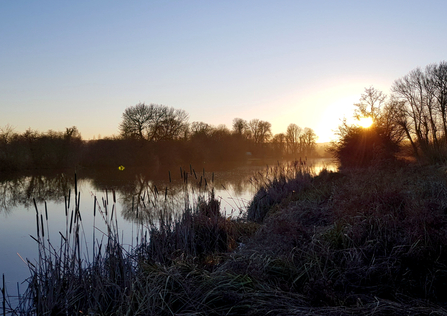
point(367, 242)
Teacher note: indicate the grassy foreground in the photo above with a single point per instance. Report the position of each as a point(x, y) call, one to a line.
point(370, 241)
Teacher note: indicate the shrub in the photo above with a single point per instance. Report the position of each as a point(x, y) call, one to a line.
point(363, 147)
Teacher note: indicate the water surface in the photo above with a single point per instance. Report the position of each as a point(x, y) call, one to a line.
point(132, 197)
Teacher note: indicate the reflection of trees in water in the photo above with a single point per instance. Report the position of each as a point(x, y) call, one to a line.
point(142, 194)
point(22, 190)
point(146, 201)
point(10, 192)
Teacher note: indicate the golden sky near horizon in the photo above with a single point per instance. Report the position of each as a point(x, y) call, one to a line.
point(82, 63)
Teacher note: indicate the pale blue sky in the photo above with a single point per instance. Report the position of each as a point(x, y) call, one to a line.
point(65, 63)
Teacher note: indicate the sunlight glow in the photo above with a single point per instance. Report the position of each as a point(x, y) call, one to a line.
point(335, 108)
point(365, 122)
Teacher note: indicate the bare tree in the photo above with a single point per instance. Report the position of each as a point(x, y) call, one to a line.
point(201, 128)
point(363, 146)
point(260, 131)
point(6, 134)
point(170, 124)
point(436, 79)
point(421, 98)
point(279, 143)
point(371, 102)
point(220, 131)
point(240, 126)
point(308, 140)
point(293, 134)
point(153, 122)
point(136, 121)
point(72, 133)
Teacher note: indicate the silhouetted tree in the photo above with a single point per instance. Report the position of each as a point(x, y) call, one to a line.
point(6, 134)
point(8, 152)
point(293, 134)
point(240, 126)
point(370, 105)
point(71, 133)
point(153, 122)
point(279, 144)
point(260, 131)
point(221, 130)
point(33, 150)
point(200, 129)
point(360, 147)
point(421, 103)
point(308, 141)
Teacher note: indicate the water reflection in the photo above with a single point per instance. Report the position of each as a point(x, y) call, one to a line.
point(142, 194)
point(20, 190)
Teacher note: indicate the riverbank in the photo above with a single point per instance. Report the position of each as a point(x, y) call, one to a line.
point(358, 242)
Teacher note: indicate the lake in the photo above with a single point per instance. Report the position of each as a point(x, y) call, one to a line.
point(128, 197)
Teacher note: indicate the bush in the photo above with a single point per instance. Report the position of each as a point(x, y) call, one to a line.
point(363, 147)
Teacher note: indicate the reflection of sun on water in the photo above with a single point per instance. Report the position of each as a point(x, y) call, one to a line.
point(365, 122)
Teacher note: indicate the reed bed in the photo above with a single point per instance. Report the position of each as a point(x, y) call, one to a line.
point(367, 241)
point(275, 184)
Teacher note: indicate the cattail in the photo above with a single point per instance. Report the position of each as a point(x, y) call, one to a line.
point(79, 203)
point(94, 207)
point(76, 186)
point(4, 296)
point(79, 215)
point(35, 206)
point(37, 226)
point(69, 197)
point(41, 224)
point(65, 239)
point(71, 221)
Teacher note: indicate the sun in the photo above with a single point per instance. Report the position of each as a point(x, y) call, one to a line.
point(365, 122)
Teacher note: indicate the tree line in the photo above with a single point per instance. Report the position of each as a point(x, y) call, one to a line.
point(35, 150)
point(160, 123)
point(155, 135)
point(411, 121)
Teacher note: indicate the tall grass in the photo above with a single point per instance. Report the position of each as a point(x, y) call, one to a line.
point(359, 236)
point(66, 280)
point(363, 242)
point(275, 184)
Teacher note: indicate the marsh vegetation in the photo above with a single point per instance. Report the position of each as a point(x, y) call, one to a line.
point(367, 239)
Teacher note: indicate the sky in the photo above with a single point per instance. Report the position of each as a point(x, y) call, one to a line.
point(82, 63)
